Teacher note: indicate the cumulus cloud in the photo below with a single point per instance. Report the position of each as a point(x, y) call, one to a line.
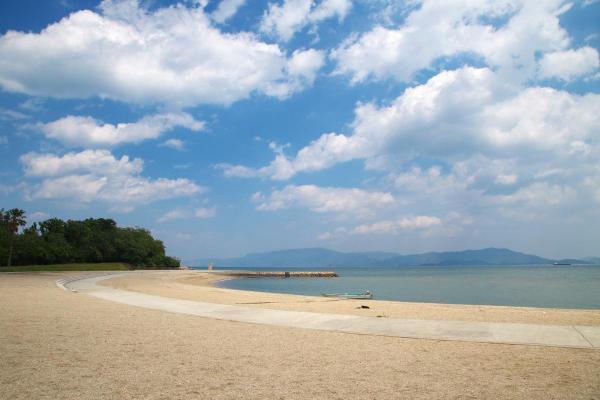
point(43, 165)
point(76, 131)
point(489, 190)
point(426, 225)
point(323, 199)
point(305, 64)
point(120, 189)
point(397, 225)
point(97, 176)
point(454, 116)
point(226, 9)
point(301, 69)
point(327, 150)
point(465, 141)
point(291, 16)
point(201, 213)
point(127, 53)
point(172, 215)
point(537, 195)
point(176, 144)
point(438, 30)
point(569, 64)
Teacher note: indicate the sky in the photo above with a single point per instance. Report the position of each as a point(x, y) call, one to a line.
point(227, 127)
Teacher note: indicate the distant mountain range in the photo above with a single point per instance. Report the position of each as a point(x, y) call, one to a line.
point(323, 258)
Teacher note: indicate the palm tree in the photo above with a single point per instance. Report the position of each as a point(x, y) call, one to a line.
point(12, 220)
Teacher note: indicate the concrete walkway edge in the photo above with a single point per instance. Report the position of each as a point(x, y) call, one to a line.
point(484, 332)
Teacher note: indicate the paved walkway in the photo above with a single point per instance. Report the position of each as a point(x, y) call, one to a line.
point(487, 332)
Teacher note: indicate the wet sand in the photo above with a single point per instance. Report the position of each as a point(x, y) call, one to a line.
point(60, 345)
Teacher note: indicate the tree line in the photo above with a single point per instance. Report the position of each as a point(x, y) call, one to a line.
point(92, 240)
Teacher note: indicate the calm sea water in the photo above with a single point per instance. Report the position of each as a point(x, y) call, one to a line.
point(532, 286)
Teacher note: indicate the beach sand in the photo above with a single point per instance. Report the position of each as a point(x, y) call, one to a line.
point(197, 285)
point(61, 345)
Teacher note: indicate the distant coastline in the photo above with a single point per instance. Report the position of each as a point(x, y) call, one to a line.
point(325, 258)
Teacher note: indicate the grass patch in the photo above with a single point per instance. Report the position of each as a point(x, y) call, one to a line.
point(68, 267)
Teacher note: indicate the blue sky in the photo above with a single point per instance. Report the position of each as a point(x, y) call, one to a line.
point(235, 126)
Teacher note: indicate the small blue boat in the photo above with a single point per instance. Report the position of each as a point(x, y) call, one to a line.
point(364, 295)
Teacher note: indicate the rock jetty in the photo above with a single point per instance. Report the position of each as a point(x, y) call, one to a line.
point(280, 274)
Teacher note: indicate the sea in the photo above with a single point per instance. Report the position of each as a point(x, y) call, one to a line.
point(575, 286)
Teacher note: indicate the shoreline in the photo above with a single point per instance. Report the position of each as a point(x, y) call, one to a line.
point(202, 286)
point(216, 284)
point(59, 344)
point(570, 336)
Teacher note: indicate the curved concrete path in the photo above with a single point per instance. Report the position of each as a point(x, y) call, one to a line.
point(486, 332)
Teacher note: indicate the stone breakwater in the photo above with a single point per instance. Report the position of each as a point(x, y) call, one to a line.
point(279, 274)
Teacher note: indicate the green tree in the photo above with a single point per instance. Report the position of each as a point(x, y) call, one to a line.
point(30, 248)
point(55, 241)
point(12, 220)
point(58, 248)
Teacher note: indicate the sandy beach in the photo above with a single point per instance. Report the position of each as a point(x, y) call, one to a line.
point(60, 345)
point(197, 285)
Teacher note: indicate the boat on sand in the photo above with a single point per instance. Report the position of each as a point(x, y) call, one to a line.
point(362, 295)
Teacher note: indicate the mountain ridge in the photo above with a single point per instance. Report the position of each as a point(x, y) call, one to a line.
point(319, 257)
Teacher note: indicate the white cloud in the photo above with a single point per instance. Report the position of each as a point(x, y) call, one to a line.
point(285, 19)
point(113, 190)
point(503, 179)
point(77, 188)
point(204, 212)
point(330, 9)
point(201, 213)
point(123, 52)
point(226, 10)
point(172, 215)
point(10, 115)
point(465, 141)
point(488, 189)
point(438, 30)
point(88, 161)
point(454, 116)
point(418, 179)
point(88, 132)
point(537, 195)
point(38, 216)
point(327, 150)
point(97, 176)
point(301, 70)
point(397, 225)
point(174, 144)
point(291, 16)
point(305, 64)
point(323, 199)
point(240, 171)
point(569, 64)
point(426, 225)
